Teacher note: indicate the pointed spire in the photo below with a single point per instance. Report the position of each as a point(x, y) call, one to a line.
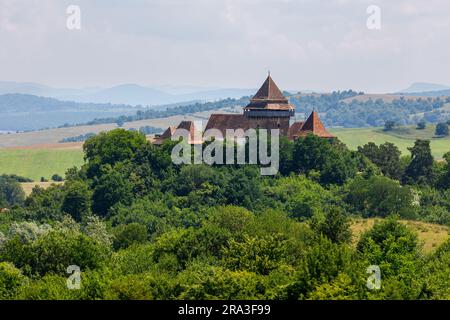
point(269, 91)
point(314, 125)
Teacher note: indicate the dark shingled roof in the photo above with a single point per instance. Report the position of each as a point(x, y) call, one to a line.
point(269, 91)
point(269, 96)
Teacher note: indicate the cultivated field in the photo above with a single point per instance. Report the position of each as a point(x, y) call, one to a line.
point(41, 161)
point(431, 236)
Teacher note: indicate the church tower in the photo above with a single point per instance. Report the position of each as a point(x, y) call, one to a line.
point(269, 108)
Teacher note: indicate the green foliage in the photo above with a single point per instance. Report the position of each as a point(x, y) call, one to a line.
point(322, 263)
point(333, 160)
point(420, 169)
point(11, 279)
point(113, 146)
point(112, 188)
point(441, 129)
point(444, 179)
point(336, 226)
point(299, 196)
point(386, 157)
point(54, 251)
point(205, 282)
point(45, 204)
point(77, 199)
point(394, 248)
point(11, 192)
point(255, 254)
point(389, 125)
point(380, 196)
point(127, 234)
point(421, 125)
point(56, 177)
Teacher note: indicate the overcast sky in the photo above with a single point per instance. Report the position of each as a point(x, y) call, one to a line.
point(307, 44)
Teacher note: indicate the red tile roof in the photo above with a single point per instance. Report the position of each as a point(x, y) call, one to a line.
point(294, 129)
point(315, 126)
point(223, 122)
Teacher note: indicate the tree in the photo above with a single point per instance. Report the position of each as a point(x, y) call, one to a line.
point(11, 192)
point(56, 177)
point(386, 157)
point(421, 125)
point(336, 226)
point(394, 248)
point(379, 196)
point(441, 129)
point(444, 179)
point(126, 235)
point(255, 254)
point(420, 169)
point(112, 188)
point(332, 159)
point(110, 148)
point(11, 279)
point(77, 199)
point(389, 125)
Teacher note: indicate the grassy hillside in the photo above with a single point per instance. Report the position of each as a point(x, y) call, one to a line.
point(37, 163)
point(403, 138)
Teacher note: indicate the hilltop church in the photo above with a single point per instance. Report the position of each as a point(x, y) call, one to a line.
point(268, 109)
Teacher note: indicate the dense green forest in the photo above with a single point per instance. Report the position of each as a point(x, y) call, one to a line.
point(140, 227)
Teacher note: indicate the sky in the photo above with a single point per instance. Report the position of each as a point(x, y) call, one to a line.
point(306, 44)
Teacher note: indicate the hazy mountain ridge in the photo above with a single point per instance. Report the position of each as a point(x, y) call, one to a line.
point(424, 87)
point(130, 94)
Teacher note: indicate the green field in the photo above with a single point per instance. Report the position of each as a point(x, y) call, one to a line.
point(402, 137)
point(37, 163)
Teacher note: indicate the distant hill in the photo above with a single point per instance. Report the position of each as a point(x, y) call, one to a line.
point(419, 87)
point(127, 94)
point(29, 112)
point(130, 94)
point(9, 87)
point(439, 93)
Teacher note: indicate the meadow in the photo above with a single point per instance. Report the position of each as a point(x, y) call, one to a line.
point(402, 137)
point(37, 163)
